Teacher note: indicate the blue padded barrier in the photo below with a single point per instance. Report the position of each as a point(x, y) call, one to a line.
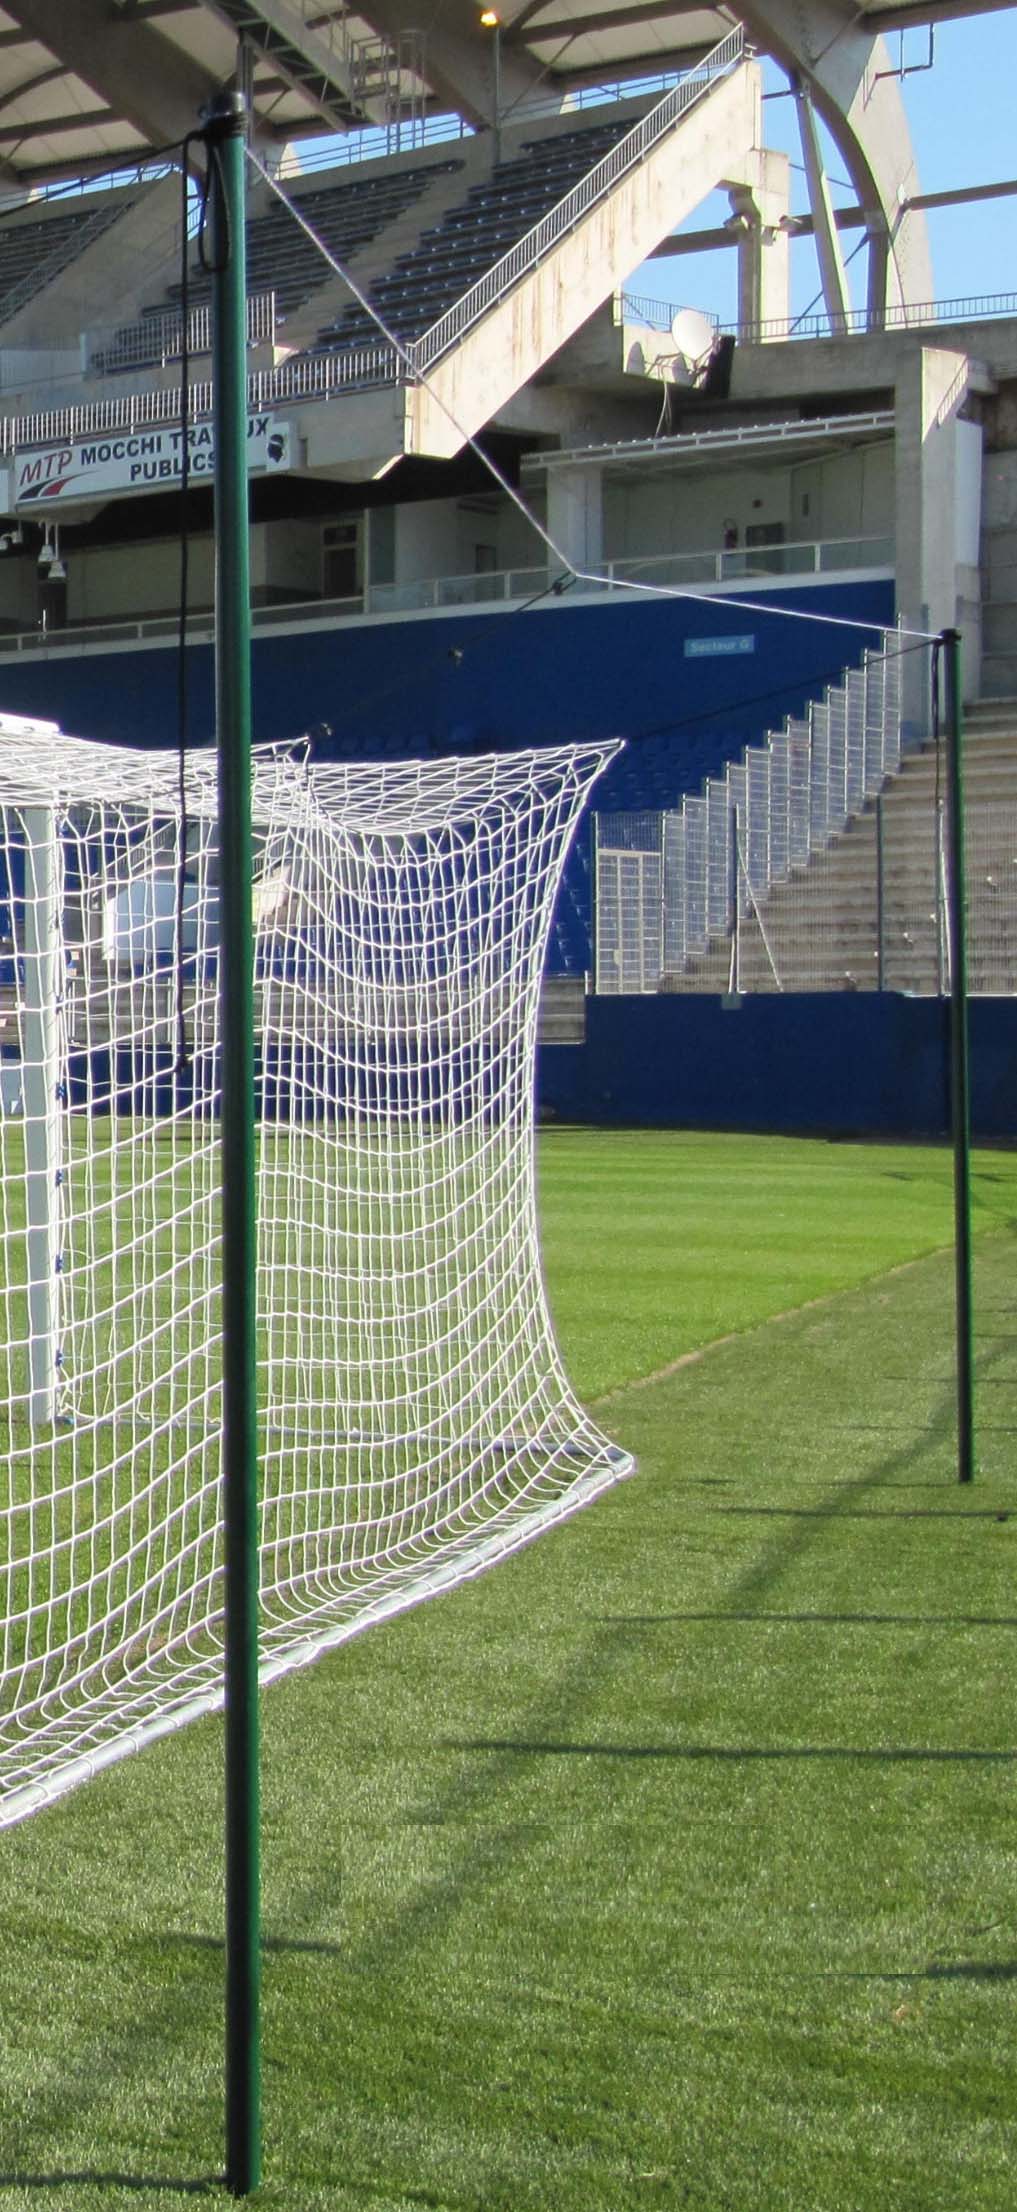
point(827, 1064)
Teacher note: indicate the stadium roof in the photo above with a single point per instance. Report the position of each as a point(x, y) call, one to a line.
point(90, 85)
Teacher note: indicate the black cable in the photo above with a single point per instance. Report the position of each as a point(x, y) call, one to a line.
point(554, 590)
point(635, 737)
point(209, 266)
point(183, 732)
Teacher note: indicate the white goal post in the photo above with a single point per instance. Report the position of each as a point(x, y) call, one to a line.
point(415, 1420)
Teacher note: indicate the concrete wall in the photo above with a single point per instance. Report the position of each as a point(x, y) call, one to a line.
point(831, 1065)
point(847, 495)
point(427, 540)
point(938, 501)
point(116, 582)
point(535, 319)
point(999, 559)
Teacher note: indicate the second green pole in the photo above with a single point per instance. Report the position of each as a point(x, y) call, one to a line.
point(960, 1082)
point(225, 134)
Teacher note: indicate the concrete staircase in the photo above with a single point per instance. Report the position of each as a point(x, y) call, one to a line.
point(820, 929)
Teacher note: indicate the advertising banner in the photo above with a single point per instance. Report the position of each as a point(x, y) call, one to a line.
point(117, 462)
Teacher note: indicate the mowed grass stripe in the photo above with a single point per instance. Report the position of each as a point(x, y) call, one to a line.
point(670, 1865)
point(660, 1241)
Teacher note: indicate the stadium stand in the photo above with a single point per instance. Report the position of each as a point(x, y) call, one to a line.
point(36, 251)
point(471, 237)
point(281, 258)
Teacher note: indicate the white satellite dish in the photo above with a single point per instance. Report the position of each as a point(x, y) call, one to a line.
point(695, 336)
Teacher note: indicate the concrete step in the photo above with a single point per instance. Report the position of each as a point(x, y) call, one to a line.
point(821, 920)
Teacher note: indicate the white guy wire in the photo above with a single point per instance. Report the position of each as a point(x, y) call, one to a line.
point(580, 575)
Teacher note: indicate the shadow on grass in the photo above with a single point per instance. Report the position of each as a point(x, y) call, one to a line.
point(96, 2178)
point(915, 1754)
point(556, 1723)
point(823, 1620)
point(961, 1970)
point(971, 1970)
point(833, 1510)
point(283, 1946)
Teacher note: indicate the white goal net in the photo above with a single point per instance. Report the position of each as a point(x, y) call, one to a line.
point(415, 1420)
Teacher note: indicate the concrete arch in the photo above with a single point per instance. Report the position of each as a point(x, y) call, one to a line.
point(846, 72)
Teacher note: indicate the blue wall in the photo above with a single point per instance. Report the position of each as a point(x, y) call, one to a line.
point(686, 683)
point(566, 671)
point(840, 1063)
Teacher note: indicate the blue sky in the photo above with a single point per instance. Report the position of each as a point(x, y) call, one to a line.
point(962, 116)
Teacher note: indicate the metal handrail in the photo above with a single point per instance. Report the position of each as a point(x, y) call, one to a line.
point(378, 139)
point(635, 307)
point(537, 242)
point(859, 322)
point(480, 590)
point(159, 337)
point(311, 376)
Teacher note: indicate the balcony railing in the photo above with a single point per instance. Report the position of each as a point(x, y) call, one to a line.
point(657, 315)
point(810, 557)
point(859, 322)
point(155, 340)
point(501, 587)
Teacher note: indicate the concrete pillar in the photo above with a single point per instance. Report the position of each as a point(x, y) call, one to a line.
point(938, 503)
point(878, 273)
point(760, 207)
point(575, 515)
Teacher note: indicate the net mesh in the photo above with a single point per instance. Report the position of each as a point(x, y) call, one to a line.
point(416, 1423)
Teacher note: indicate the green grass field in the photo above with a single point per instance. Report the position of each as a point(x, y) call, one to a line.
point(674, 1863)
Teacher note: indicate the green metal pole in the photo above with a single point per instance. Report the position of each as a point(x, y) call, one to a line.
point(225, 142)
point(960, 1091)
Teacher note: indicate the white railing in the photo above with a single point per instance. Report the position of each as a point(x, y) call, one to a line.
point(156, 339)
point(530, 250)
point(309, 376)
point(729, 844)
point(635, 307)
point(804, 557)
point(429, 594)
point(408, 134)
point(488, 589)
point(859, 322)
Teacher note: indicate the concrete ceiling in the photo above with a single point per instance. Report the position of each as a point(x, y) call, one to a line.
point(88, 85)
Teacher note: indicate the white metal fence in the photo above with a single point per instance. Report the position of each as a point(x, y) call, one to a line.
point(815, 862)
point(157, 339)
point(747, 830)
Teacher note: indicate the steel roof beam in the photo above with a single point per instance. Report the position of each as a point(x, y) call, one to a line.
point(278, 34)
point(144, 79)
point(459, 61)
